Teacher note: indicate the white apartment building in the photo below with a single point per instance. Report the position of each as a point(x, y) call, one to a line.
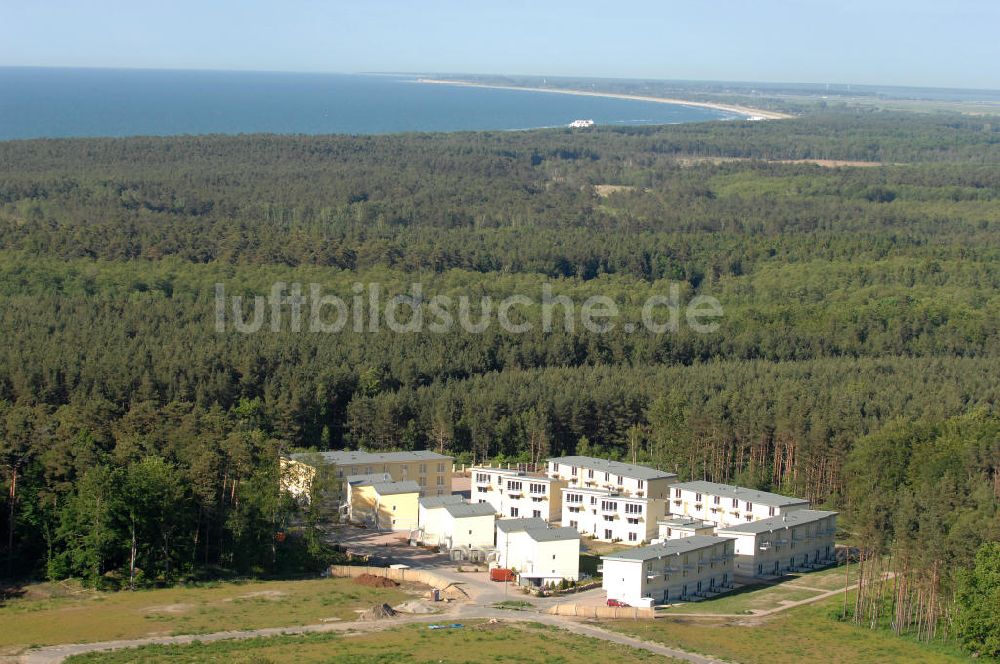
point(614, 476)
point(538, 552)
point(611, 517)
point(678, 527)
point(728, 505)
point(517, 494)
point(802, 539)
point(682, 569)
point(431, 516)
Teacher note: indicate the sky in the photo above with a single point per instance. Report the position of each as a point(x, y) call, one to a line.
point(951, 43)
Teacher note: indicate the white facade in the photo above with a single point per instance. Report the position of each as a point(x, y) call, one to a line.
point(623, 478)
point(727, 505)
point(679, 527)
point(539, 553)
point(516, 494)
point(611, 517)
point(432, 517)
point(676, 570)
point(771, 547)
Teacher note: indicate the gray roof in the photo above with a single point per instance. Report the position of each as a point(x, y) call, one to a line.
point(392, 488)
point(668, 548)
point(553, 534)
point(684, 522)
point(431, 502)
point(459, 511)
point(354, 457)
point(742, 493)
point(796, 518)
point(517, 525)
point(371, 478)
point(614, 467)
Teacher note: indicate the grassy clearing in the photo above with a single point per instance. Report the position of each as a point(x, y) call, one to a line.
point(748, 599)
point(86, 616)
point(806, 633)
point(476, 642)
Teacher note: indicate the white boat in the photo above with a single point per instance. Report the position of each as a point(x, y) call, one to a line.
point(581, 124)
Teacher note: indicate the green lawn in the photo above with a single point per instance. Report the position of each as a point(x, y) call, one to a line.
point(806, 633)
point(475, 642)
point(746, 600)
point(84, 615)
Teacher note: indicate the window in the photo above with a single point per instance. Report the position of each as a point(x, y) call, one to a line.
point(572, 471)
point(553, 557)
point(633, 521)
point(574, 498)
point(641, 484)
point(440, 467)
point(537, 514)
point(513, 486)
point(607, 533)
point(771, 511)
point(440, 480)
point(470, 532)
point(749, 517)
point(609, 506)
point(697, 497)
point(631, 508)
point(482, 478)
point(572, 524)
point(590, 474)
point(670, 531)
point(632, 537)
point(736, 502)
point(423, 468)
point(422, 481)
point(608, 517)
point(716, 500)
point(620, 481)
point(593, 500)
point(677, 493)
point(536, 488)
point(749, 506)
point(513, 511)
point(607, 477)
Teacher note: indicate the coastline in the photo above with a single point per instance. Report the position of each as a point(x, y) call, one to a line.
point(754, 113)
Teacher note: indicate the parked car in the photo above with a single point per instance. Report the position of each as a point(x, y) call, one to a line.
point(616, 602)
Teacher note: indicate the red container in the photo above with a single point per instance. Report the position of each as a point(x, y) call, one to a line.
point(501, 574)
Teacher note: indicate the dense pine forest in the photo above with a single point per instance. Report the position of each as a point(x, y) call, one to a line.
point(857, 362)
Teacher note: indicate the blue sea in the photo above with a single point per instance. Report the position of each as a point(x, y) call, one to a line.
point(36, 102)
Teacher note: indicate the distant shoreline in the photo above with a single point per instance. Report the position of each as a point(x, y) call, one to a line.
point(756, 113)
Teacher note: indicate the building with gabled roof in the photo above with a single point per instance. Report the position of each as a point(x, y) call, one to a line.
point(799, 540)
point(728, 505)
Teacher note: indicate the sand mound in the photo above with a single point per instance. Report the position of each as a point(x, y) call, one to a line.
point(373, 581)
point(378, 612)
point(416, 606)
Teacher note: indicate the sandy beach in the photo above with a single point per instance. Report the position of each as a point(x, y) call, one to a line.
point(755, 113)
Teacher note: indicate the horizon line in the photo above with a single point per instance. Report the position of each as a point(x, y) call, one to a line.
point(512, 75)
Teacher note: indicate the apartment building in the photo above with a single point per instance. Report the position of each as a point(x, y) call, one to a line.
point(798, 540)
point(431, 514)
point(682, 569)
point(728, 505)
point(430, 470)
point(622, 478)
point(538, 552)
point(612, 517)
point(453, 524)
point(384, 505)
point(678, 527)
point(517, 494)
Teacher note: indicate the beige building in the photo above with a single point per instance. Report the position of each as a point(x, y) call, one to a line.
point(385, 505)
point(799, 540)
point(613, 476)
point(727, 505)
point(431, 471)
point(450, 522)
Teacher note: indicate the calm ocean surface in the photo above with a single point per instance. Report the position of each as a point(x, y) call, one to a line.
point(103, 102)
